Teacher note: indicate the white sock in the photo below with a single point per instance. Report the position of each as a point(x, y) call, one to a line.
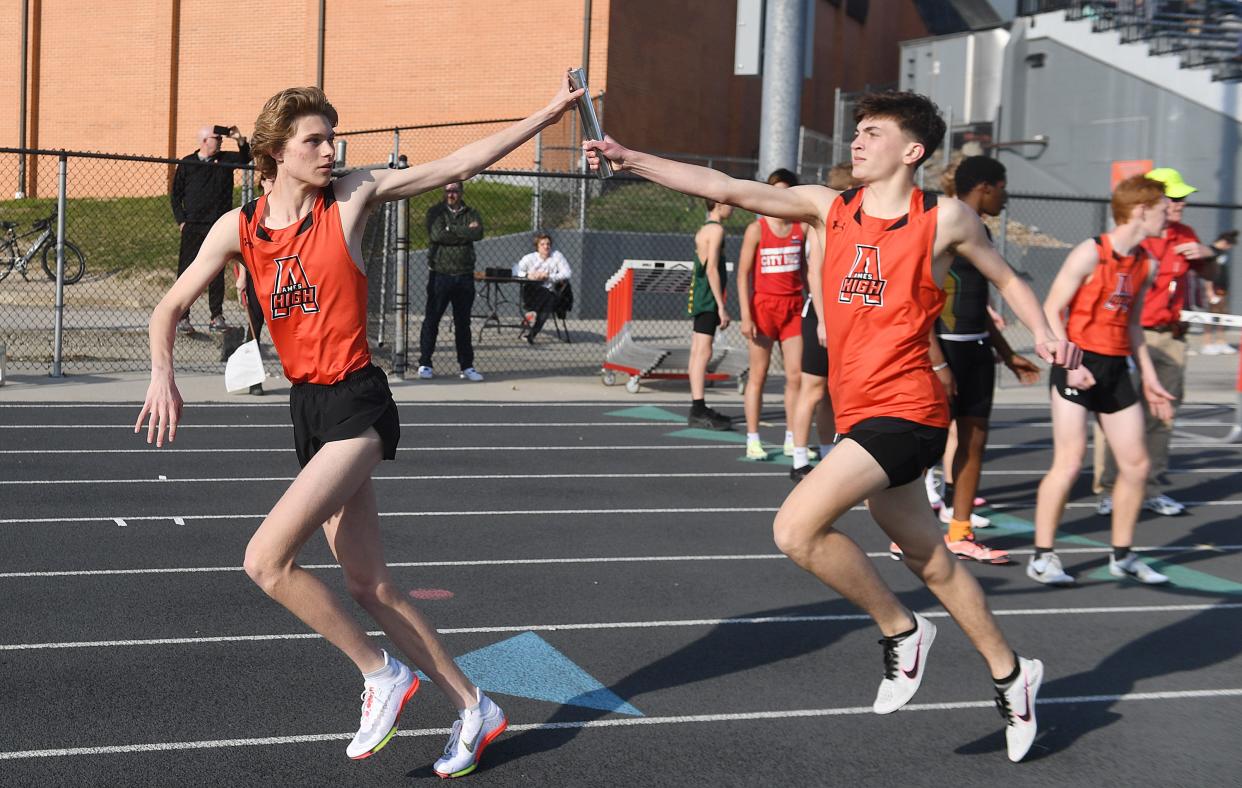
point(389, 672)
point(788, 436)
point(752, 437)
point(799, 457)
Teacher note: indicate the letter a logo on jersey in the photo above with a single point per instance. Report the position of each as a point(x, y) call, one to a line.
point(1120, 298)
point(292, 290)
point(864, 279)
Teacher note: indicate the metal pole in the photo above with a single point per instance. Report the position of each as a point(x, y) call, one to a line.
point(396, 147)
point(247, 185)
point(586, 38)
point(59, 314)
point(1002, 240)
point(402, 288)
point(948, 136)
point(21, 111)
point(536, 213)
point(384, 256)
point(784, 39)
point(319, 59)
point(838, 128)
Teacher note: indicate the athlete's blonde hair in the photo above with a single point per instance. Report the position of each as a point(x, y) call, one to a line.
point(278, 121)
point(1136, 190)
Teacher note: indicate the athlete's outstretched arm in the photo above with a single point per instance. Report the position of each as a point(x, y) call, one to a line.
point(965, 234)
point(163, 402)
point(807, 204)
point(467, 161)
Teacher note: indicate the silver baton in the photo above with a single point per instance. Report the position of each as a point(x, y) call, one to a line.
point(590, 121)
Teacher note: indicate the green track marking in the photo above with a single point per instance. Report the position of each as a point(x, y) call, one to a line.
point(648, 413)
point(1179, 576)
point(694, 433)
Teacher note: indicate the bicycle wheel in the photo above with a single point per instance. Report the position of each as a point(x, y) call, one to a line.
point(8, 259)
point(75, 262)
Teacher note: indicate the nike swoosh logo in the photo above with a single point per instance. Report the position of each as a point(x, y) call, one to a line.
point(918, 650)
point(469, 745)
point(1027, 692)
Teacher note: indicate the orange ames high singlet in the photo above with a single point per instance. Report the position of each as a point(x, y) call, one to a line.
point(778, 261)
point(1099, 313)
point(313, 296)
point(880, 303)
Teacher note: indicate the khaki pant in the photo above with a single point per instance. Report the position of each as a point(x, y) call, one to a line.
point(1168, 356)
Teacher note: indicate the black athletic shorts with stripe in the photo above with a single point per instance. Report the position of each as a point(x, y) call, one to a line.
point(1113, 390)
point(343, 410)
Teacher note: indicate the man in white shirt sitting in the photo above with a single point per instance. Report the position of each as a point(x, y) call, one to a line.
point(550, 269)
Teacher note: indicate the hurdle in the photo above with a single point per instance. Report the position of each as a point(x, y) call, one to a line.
point(623, 353)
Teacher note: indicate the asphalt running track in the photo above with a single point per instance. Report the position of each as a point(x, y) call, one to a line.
point(611, 576)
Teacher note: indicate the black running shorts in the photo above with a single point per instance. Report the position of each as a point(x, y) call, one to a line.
point(974, 372)
point(814, 355)
point(904, 449)
point(1113, 390)
point(344, 410)
point(706, 323)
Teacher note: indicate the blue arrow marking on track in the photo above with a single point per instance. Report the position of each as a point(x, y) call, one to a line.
point(529, 667)
point(648, 413)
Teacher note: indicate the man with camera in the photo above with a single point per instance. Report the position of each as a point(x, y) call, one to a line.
point(202, 192)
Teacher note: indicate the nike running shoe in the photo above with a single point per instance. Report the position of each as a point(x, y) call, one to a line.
point(184, 326)
point(475, 729)
point(1048, 570)
point(425, 373)
point(1016, 704)
point(798, 474)
point(1104, 506)
point(976, 520)
point(1163, 504)
point(709, 419)
point(1132, 567)
point(471, 374)
point(904, 663)
point(217, 324)
point(788, 451)
point(755, 451)
point(382, 702)
point(970, 550)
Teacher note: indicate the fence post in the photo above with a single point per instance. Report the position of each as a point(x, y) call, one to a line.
point(402, 287)
point(385, 254)
point(536, 208)
point(59, 316)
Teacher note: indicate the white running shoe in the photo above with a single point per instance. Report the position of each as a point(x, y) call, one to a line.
point(1227, 349)
point(904, 663)
point(1017, 707)
point(471, 374)
point(788, 450)
point(755, 451)
point(382, 702)
point(1104, 506)
point(976, 520)
point(1048, 570)
point(1163, 504)
point(425, 373)
point(933, 489)
point(475, 729)
point(1131, 566)
point(1210, 350)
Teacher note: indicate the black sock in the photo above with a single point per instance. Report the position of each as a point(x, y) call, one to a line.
point(1040, 552)
point(1119, 553)
point(907, 633)
point(1012, 677)
point(698, 405)
point(948, 493)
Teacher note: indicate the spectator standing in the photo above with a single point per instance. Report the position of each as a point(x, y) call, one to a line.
point(452, 227)
point(548, 272)
point(202, 192)
point(1218, 295)
point(1178, 251)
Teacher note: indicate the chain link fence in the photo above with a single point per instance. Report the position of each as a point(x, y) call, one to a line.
point(117, 213)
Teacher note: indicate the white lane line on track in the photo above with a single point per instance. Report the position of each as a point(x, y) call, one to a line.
point(603, 625)
point(534, 512)
point(734, 447)
point(1153, 550)
point(516, 476)
point(417, 424)
point(615, 722)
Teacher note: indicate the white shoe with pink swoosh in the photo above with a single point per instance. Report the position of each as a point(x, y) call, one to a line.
point(1017, 706)
point(904, 663)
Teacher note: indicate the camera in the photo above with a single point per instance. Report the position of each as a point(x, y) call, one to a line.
point(221, 130)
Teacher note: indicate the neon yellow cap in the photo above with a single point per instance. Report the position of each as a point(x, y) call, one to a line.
point(1174, 187)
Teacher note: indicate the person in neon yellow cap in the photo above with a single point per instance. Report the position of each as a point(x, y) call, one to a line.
point(1178, 252)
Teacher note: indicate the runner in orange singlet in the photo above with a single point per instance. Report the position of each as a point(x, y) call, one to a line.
point(771, 271)
point(1101, 284)
point(887, 248)
point(301, 243)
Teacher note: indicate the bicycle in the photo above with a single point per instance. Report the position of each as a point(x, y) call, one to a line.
point(12, 256)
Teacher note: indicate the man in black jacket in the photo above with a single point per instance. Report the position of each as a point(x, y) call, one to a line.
point(201, 193)
point(452, 228)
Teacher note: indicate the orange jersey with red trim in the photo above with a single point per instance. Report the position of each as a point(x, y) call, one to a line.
point(313, 296)
point(778, 261)
point(1099, 312)
point(880, 303)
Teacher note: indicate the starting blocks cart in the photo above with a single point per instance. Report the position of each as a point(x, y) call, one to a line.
point(639, 359)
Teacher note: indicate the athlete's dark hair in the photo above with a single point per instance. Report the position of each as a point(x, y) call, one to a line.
point(976, 170)
point(539, 237)
point(915, 114)
point(782, 175)
point(277, 123)
point(841, 177)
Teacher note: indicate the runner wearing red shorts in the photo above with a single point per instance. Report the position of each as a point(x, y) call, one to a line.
point(771, 272)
